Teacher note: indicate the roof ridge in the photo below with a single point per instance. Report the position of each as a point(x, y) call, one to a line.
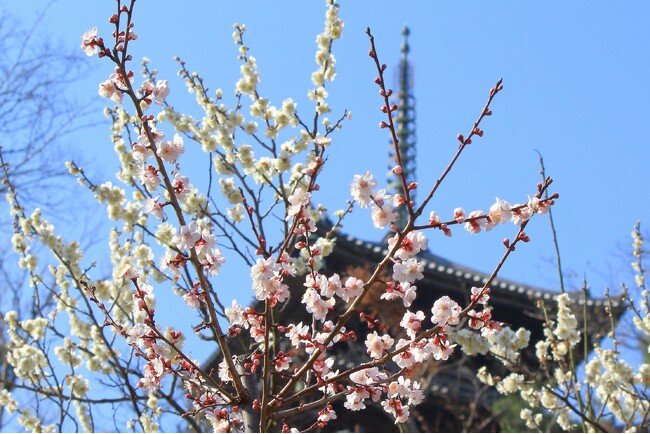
point(438, 264)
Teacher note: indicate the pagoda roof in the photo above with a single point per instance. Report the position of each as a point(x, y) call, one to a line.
point(437, 266)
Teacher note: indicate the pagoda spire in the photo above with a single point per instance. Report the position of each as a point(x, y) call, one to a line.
point(405, 129)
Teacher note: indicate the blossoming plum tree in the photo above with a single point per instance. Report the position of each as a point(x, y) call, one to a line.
point(170, 233)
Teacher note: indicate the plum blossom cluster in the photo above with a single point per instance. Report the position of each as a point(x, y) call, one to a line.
point(267, 276)
point(381, 207)
point(500, 212)
point(609, 380)
point(271, 366)
point(371, 384)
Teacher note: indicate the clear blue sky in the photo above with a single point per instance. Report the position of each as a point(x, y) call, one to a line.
point(576, 88)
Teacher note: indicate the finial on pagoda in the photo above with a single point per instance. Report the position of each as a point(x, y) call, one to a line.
point(405, 129)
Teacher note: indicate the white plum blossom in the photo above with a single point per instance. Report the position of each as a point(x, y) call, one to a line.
point(383, 216)
point(334, 286)
point(297, 334)
point(152, 206)
point(474, 226)
point(173, 262)
point(404, 388)
point(297, 201)
point(154, 371)
point(323, 365)
point(187, 237)
point(412, 244)
point(318, 282)
point(170, 151)
point(192, 300)
point(264, 269)
point(282, 362)
point(182, 186)
point(316, 305)
point(440, 347)
point(159, 92)
point(404, 291)
point(412, 322)
point(480, 295)
point(445, 311)
point(520, 214)
point(320, 336)
point(224, 372)
point(362, 188)
point(267, 281)
point(395, 408)
point(109, 89)
point(500, 212)
point(219, 424)
point(408, 271)
point(206, 244)
point(377, 345)
point(479, 319)
point(368, 376)
point(89, 42)
point(235, 315)
point(355, 397)
point(135, 335)
point(353, 288)
point(326, 414)
point(149, 177)
point(566, 323)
